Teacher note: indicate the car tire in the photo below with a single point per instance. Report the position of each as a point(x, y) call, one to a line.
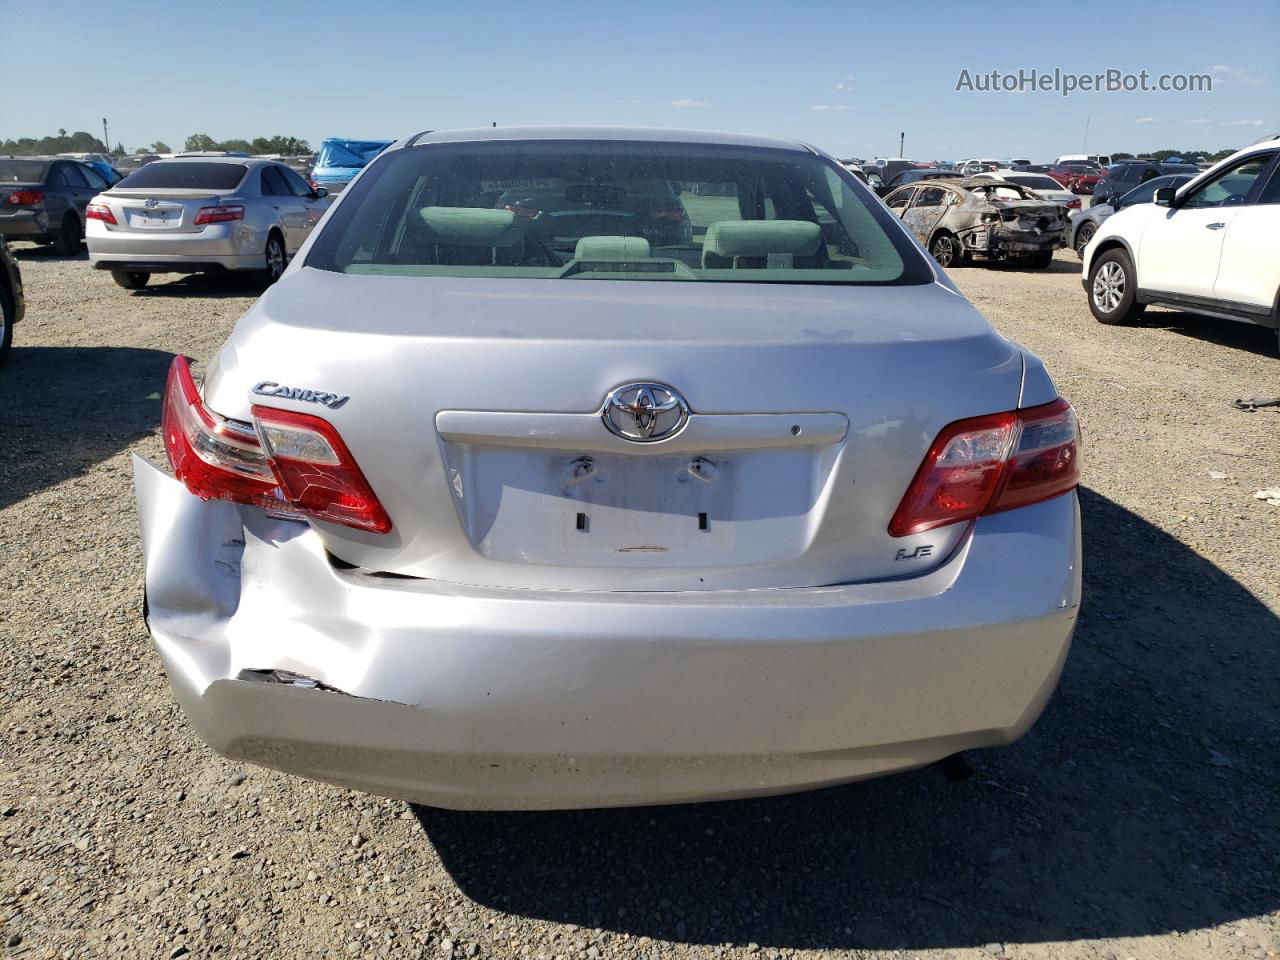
point(7, 313)
point(1040, 260)
point(1083, 236)
point(946, 250)
point(70, 235)
point(1113, 288)
point(274, 255)
point(131, 279)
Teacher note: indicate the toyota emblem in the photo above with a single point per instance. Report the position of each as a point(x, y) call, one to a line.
point(645, 412)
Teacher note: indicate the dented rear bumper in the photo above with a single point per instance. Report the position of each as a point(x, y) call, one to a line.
point(482, 698)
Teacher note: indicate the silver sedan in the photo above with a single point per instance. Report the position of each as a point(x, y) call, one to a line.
point(201, 214)
point(515, 494)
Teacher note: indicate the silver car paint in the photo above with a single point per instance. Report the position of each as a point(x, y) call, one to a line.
point(482, 698)
point(487, 681)
point(235, 245)
point(404, 358)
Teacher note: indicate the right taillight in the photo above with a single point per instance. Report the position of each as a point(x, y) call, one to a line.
point(220, 214)
point(304, 470)
point(992, 463)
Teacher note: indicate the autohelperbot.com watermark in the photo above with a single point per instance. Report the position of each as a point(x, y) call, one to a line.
point(1065, 83)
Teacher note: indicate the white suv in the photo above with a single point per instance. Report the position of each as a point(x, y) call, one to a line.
point(1208, 248)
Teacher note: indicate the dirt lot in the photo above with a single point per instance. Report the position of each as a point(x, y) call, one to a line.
point(1138, 819)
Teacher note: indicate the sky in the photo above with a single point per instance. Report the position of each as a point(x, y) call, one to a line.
point(846, 77)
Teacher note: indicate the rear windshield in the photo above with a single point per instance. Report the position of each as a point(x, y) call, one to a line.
point(22, 171)
point(1035, 182)
point(615, 211)
point(186, 173)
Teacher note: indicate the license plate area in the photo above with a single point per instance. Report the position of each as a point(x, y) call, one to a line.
point(157, 218)
point(618, 510)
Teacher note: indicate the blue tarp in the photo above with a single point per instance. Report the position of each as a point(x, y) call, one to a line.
point(349, 154)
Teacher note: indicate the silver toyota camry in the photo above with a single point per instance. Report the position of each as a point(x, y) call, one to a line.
point(201, 214)
point(584, 467)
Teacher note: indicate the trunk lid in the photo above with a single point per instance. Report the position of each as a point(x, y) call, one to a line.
point(161, 209)
point(474, 411)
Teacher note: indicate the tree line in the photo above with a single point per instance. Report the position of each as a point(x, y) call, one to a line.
point(1161, 155)
point(82, 142)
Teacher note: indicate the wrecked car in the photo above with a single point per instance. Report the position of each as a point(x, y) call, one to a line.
point(492, 511)
point(981, 219)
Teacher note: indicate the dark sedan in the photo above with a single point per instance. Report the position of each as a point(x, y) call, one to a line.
point(1120, 178)
point(12, 304)
point(1085, 223)
point(43, 199)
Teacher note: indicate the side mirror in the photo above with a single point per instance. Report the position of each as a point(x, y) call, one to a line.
point(320, 192)
point(1164, 197)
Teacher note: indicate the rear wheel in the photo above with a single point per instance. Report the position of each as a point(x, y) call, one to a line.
point(274, 257)
point(1041, 260)
point(1113, 289)
point(1083, 236)
point(945, 250)
point(68, 238)
point(131, 279)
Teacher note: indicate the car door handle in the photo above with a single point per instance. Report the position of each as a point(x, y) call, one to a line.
point(1214, 226)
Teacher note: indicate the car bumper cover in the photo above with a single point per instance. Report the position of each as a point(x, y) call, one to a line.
point(483, 698)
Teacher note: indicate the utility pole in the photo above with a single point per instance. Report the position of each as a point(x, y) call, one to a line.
point(1084, 148)
point(902, 138)
point(106, 140)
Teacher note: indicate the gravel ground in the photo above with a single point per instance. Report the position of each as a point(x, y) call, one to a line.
point(1138, 819)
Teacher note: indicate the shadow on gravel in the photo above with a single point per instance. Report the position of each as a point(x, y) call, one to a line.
point(1144, 801)
point(205, 285)
point(64, 409)
point(1225, 333)
point(45, 254)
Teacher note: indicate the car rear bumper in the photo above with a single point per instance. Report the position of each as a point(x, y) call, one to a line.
point(24, 225)
point(229, 247)
point(481, 698)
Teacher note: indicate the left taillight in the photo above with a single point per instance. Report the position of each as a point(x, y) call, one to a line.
point(990, 464)
point(219, 214)
point(304, 467)
point(99, 211)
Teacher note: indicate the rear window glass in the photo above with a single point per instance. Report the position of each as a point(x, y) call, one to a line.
point(22, 171)
point(605, 210)
point(1035, 182)
point(186, 173)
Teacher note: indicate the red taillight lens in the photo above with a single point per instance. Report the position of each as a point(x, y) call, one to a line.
point(215, 459)
point(528, 213)
point(676, 215)
point(219, 214)
point(316, 471)
point(988, 464)
point(1073, 203)
point(305, 469)
point(26, 198)
point(99, 211)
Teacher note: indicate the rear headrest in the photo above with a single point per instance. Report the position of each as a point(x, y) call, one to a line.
point(759, 238)
point(472, 226)
point(612, 248)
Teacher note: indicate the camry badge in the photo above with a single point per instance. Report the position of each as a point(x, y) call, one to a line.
point(269, 388)
point(645, 412)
